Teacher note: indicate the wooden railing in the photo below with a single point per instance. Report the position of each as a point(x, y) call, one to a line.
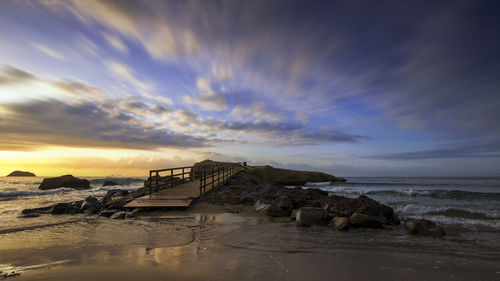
point(167, 178)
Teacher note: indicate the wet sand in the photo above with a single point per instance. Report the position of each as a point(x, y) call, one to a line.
point(209, 242)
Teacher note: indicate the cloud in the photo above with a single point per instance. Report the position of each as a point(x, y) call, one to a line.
point(52, 122)
point(48, 51)
point(12, 75)
point(126, 75)
point(208, 99)
point(149, 28)
point(482, 149)
point(115, 42)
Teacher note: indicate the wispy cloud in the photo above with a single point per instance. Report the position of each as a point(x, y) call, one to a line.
point(115, 42)
point(48, 51)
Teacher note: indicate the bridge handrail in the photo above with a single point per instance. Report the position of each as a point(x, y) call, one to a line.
point(200, 172)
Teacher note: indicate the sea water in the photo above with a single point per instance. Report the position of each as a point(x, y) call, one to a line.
point(470, 202)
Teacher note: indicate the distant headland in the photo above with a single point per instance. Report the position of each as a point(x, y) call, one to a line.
point(21, 174)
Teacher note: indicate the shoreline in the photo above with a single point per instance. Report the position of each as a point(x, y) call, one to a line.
point(240, 246)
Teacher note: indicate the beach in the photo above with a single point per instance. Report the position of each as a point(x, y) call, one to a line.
point(212, 242)
point(234, 242)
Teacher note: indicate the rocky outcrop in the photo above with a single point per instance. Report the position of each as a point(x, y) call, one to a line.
point(367, 221)
point(340, 223)
point(21, 174)
point(270, 209)
point(263, 174)
point(67, 208)
point(424, 227)
point(91, 205)
point(64, 181)
point(307, 216)
point(109, 183)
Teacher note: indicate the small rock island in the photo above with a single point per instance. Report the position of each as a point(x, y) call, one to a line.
point(64, 181)
point(21, 174)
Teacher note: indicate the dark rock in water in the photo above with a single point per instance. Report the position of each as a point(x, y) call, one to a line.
point(307, 216)
point(41, 210)
point(67, 208)
point(113, 195)
point(117, 203)
point(32, 215)
point(74, 208)
point(21, 174)
point(340, 223)
point(91, 205)
point(121, 215)
point(362, 220)
point(285, 203)
point(59, 208)
point(64, 181)
point(424, 227)
point(108, 213)
point(109, 183)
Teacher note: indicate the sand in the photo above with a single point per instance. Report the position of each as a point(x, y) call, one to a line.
point(209, 242)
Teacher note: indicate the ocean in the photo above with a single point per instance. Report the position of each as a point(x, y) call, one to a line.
point(471, 203)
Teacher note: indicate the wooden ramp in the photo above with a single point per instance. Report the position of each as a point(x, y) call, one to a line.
point(182, 195)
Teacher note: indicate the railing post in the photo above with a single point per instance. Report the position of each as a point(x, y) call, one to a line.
point(213, 177)
point(172, 178)
point(157, 176)
point(201, 184)
point(182, 174)
point(150, 183)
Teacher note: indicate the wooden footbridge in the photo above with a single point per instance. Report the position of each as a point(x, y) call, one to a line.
point(178, 187)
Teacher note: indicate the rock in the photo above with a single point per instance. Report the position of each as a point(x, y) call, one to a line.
point(67, 208)
point(285, 203)
point(91, 205)
point(263, 174)
point(119, 216)
point(362, 220)
point(113, 194)
point(307, 216)
point(116, 203)
point(108, 213)
point(74, 208)
point(248, 198)
point(59, 208)
point(41, 210)
point(424, 227)
point(109, 183)
point(64, 181)
point(32, 215)
point(270, 209)
point(21, 174)
point(293, 214)
point(340, 223)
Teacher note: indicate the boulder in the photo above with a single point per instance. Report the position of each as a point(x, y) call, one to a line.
point(109, 183)
point(117, 203)
point(269, 209)
point(340, 223)
point(91, 205)
point(424, 227)
point(67, 208)
point(293, 215)
point(21, 174)
point(41, 210)
point(362, 220)
point(113, 194)
point(108, 213)
point(64, 181)
point(32, 215)
point(307, 216)
point(121, 216)
point(285, 203)
point(248, 198)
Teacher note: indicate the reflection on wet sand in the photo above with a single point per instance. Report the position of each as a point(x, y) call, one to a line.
point(224, 246)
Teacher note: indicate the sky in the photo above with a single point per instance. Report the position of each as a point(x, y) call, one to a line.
point(352, 88)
